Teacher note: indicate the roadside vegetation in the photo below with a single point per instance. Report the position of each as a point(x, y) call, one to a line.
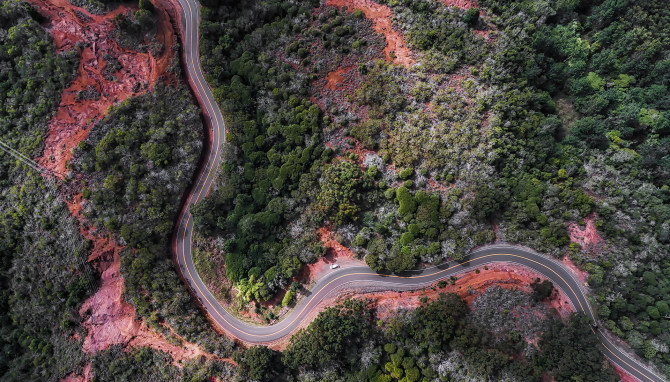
point(441, 339)
point(136, 164)
point(516, 121)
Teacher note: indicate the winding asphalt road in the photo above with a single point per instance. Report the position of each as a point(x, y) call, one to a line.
point(359, 277)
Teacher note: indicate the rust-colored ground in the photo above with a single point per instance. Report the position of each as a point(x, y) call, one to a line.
point(74, 116)
point(588, 238)
point(396, 51)
point(465, 4)
point(335, 78)
point(107, 317)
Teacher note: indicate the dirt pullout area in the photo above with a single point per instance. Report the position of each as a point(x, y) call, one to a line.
point(336, 253)
point(396, 51)
point(107, 73)
point(588, 238)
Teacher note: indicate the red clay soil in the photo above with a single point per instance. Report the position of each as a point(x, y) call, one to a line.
point(588, 238)
point(336, 253)
point(465, 4)
point(335, 78)
point(73, 118)
point(108, 319)
point(396, 51)
point(505, 275)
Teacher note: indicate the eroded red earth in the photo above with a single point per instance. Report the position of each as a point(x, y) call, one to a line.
point(587, 238)
point(74, 28)
point(107, 317)
point(396, 50)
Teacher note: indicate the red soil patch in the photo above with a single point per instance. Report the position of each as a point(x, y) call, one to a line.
point(107, 317)
point(335, 78)
point(465, 4)
point(588, 238)
point(70, 124)
point(396, 51)
point(505, 275)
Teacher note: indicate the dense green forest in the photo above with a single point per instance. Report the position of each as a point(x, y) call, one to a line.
point(532, 115)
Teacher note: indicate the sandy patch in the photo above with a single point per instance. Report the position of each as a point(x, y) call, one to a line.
point(396, 51)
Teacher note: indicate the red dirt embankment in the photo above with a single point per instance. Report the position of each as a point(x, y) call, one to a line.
point(588, 238)
point(74, 28)
point(107, 317)
point(396, 51)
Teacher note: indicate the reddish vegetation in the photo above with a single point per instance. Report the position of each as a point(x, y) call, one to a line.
point(588, 238)
point(74, 116)
point(396, 51)
point(465, 4)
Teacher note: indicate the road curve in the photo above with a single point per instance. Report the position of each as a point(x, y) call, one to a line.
point(189, 12)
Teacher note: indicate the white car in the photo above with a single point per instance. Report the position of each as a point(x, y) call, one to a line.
point(334, 266)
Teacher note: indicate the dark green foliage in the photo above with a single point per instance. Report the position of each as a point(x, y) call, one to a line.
point(43, 270)
point(471, 16)
point(137, 160)
point(259, 362)
point(570, 351)
point(331, 337)
point(542, 290)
